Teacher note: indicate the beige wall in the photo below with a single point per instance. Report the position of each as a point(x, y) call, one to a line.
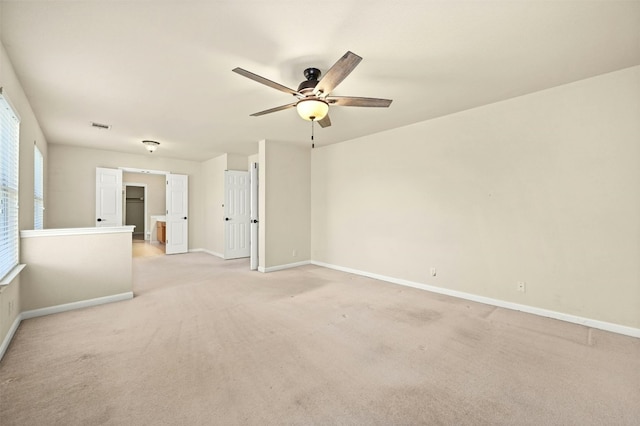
point(542, 188)
point(285, 204)
point(72, 185)
point(71, 268)
point(9, 310)
point(237, 162)
point(30, 133)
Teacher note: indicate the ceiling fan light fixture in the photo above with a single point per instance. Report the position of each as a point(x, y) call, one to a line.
point(312, 109)
point(314, 93)
point(151, 145)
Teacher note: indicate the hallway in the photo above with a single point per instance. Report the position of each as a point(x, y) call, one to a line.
point(142, 248)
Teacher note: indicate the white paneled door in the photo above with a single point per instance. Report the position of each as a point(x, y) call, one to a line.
point(108, 197)
point(237, 214)
point(177, 238)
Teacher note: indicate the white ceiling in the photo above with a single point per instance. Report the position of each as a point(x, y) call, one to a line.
point(161, 70)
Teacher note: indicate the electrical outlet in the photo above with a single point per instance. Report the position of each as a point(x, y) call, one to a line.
point(294, 253)
point(522, 286)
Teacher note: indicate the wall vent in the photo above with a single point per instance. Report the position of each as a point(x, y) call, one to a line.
point(100, 125)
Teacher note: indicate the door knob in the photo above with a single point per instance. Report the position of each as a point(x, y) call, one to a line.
point(99, 220)
point(226, 218)
point(185, 218)
point(254, 221)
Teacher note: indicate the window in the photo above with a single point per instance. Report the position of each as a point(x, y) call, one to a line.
point(9, 145)
point(38, 189)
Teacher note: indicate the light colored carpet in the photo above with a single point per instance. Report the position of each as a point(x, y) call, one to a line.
point(205, 342)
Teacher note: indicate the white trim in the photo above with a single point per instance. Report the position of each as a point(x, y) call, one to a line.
point(58, 309)
point(254, 223)
point(145, 171)
point(587, 322)
point(7, 339)
point(281, 267)
point(8, 279)
point(77, 305)
point(212, 253)
point(74, 231)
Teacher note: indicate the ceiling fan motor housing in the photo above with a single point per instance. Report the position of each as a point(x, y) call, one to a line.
point(312, 75)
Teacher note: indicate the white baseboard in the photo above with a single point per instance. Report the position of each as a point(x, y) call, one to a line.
point(587, 322)
point(213, 253)
point(7, 339)
point(281, 267)
point(57, 309)
point(76, 305)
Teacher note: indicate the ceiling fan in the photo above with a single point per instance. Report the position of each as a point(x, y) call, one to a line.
point(314, 96)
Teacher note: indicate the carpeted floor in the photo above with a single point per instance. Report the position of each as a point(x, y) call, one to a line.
point(206, 342)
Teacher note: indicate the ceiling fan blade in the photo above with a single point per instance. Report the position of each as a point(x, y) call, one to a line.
point(338, 72)
point(276, 109)
point(265, 81)
point(325, 122)
point(358, 102)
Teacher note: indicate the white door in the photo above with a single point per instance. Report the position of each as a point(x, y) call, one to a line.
point(254, 216)
point(177, 214)
point(237, 214)
point(108, 197)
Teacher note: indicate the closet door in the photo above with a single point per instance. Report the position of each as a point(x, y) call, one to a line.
point(108, 197)
point(237, 219)
point(177, 231)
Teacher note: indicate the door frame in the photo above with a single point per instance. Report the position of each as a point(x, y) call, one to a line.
point(254, 224)
point(145, 172)
point(122, 188)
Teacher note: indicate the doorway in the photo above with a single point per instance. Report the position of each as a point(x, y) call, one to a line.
point(135, 209)
point(111, 204)
point(153, 185)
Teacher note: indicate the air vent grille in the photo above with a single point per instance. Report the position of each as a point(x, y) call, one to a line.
point(100, 125)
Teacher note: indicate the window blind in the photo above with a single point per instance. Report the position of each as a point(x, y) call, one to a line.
point(9, 145)
point(38, 189)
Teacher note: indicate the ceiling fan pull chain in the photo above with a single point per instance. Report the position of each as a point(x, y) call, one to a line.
point(313, 145)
